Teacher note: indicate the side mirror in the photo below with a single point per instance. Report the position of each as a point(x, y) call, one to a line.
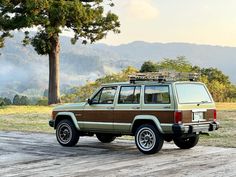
point(89, 101)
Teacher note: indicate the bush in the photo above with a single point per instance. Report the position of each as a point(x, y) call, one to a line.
point(42, 102)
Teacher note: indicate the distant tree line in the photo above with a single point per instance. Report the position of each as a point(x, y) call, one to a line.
point(5, 101)
point(217, 82)
point(17, 100)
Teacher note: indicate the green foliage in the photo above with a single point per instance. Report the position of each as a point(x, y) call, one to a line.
point(5, 102)
point(24, 100)
point(21, 100)
point(148, 66)
point(16, 100)
point(42, 101)
point(215, 74)
point(180, 64)
point(86, 19)
point(217, 82)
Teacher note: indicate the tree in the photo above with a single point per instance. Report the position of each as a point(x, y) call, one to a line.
point(2, 103)
point(86, 18)
point(148, 66)
point(24, 100)
point(215, 74)
point(16, 100)
point(7, 101)
point(180, 64)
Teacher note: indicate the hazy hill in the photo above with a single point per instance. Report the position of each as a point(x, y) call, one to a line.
point(23, 71)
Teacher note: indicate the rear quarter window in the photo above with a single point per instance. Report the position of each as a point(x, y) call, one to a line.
point(157, 94)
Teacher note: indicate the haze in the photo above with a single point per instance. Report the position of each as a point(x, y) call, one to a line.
point(193, 21)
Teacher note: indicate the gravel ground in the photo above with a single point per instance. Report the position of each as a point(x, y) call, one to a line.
point(37, 154)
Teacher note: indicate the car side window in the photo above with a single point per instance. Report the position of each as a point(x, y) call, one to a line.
point(129, 95)
point(157, 94)
point(105, 96)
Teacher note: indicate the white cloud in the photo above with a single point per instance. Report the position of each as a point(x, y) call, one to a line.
point(141, 9)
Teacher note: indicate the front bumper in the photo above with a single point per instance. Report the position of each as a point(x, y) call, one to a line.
point(51, 123)
point(195, 128)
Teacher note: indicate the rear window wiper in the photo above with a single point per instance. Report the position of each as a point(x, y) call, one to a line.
point(202, 102)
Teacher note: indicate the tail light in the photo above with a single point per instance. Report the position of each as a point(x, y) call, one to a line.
point(215, 115)
point(178, 117)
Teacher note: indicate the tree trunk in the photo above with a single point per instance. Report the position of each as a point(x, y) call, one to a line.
point(54, 71)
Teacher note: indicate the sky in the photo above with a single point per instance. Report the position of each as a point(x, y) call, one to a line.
point(192, 21)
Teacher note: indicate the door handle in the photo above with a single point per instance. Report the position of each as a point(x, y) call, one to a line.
point(110, 107)
point(136, 107)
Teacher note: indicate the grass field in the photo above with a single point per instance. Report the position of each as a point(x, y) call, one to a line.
point(25, 118)
point(35, 119)
point(226, 106)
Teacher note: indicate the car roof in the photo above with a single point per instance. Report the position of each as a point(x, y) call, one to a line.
point(146, 83)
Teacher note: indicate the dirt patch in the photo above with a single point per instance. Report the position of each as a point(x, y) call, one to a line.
point(35, 154)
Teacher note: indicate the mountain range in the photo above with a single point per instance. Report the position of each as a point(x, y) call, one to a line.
point(24, 72)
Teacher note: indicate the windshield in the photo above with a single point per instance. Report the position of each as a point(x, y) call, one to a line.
point(192, 93)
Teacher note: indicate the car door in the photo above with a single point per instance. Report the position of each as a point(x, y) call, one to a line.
point(99, 114)
point(126, 108)
point(158, 101)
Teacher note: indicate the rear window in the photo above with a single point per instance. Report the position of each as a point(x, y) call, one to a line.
point(192, 93)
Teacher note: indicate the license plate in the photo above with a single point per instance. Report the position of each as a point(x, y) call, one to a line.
point(198, 116)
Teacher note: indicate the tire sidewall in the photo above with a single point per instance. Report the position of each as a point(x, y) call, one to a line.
point(158, 140)
point(183, 143)
point(73, 137)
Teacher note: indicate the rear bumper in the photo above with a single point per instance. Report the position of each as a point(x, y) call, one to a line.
point(195, 128)
point(51, 123)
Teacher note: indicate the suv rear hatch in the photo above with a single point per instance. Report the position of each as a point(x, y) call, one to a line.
point(194, 103)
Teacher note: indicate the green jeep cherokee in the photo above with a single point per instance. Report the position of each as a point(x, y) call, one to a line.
point(153, 111)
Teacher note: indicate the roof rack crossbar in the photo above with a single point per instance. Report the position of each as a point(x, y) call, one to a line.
point(163, 76)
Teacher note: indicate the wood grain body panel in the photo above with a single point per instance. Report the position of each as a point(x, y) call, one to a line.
point(97, 116)
point(128, 116)
point(120, 116)
point(209, 115)
point(187, 116)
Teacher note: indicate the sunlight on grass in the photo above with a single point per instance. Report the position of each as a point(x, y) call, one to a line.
point(25, 118)
point(226, 106)
point(25, 109)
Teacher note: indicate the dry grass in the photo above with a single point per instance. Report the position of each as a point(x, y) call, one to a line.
point(225, 136)
point(226, 106)
point(25, 118)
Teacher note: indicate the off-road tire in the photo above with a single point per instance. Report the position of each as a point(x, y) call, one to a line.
point(186, 143)
point(66, 133)
point(148, 140)
point(105, 138)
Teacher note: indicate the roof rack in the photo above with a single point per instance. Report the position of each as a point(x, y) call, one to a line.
point(163, 76)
